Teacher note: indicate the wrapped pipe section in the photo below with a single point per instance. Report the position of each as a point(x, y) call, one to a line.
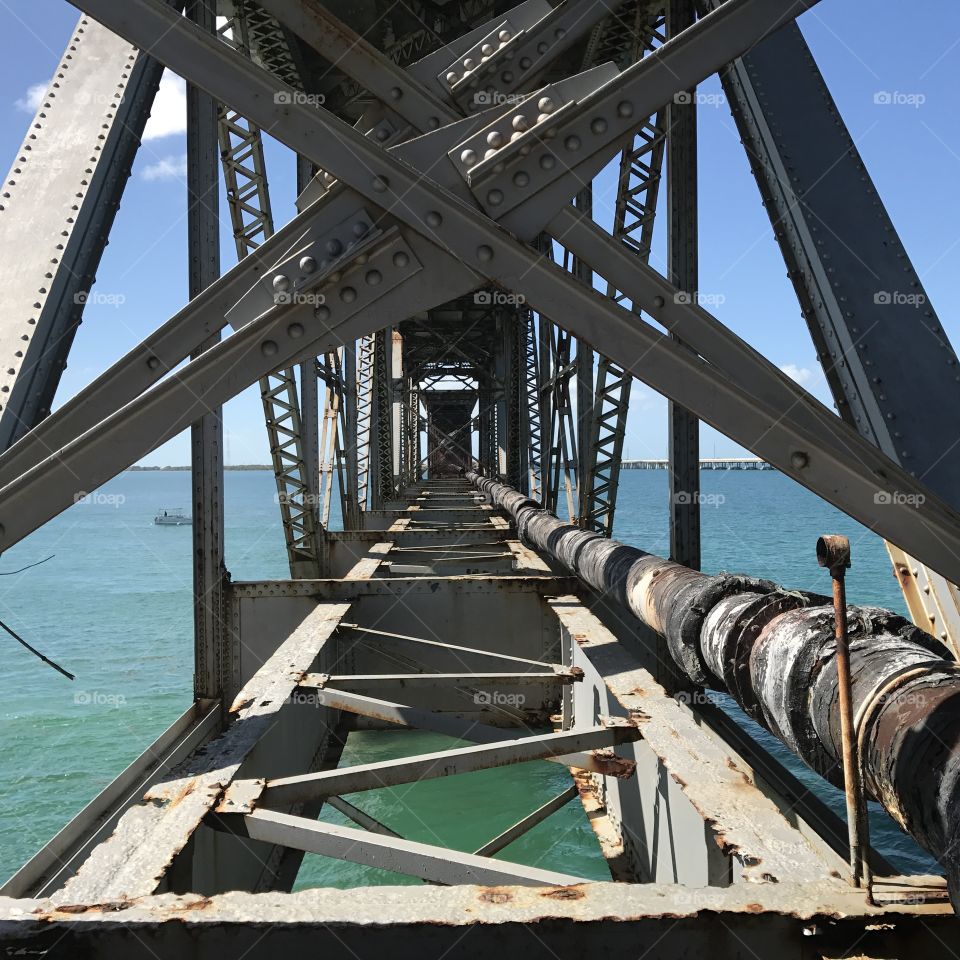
point(773, 650)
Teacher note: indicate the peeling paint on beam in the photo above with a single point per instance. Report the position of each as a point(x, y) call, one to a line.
point(134, 860)
point(792, 921)
point(745, 823)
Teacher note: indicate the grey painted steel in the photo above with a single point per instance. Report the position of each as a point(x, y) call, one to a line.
point(206, 434)
point(359, 817)
point(527, 823)
point(59, 202)
point(443, 763)
point(292, 436)
point(683, 443)
point(867, 310)
point(451, 726)
point(50, 867)
point(152, 359)
point(845, 481)
point(424, 860)
point(774, 651)
point(458, 648)
point(409, 923)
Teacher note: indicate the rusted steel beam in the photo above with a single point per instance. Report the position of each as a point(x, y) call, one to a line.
point(774, 651)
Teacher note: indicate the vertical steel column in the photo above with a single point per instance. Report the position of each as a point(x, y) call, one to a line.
point(684, 428)
point(545, 394)
point(486, 439)
point(532, 394)
point(351, 520)
point(638, 189)
point(295, 459)
point(366, 351)
point(310, 401)
point(206, 436)
point(396, 407)
point(513, 388)
point(584, 373)
point(382, 419)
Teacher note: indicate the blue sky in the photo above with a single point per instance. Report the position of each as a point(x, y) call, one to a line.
point(911, 149)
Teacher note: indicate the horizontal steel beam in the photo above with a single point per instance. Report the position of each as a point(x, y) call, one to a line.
point(363, 682)
point(785, 920)
point(444, 763)
point(457, 648)
point(437, 864)
point(452, 725)
point(133, 861)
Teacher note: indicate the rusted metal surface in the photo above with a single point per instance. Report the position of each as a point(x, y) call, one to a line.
point(833, 552)
point(745, 824)
point(788, 920)
point(134, 860)
point(784, 667)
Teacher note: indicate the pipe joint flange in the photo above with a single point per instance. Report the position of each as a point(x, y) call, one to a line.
point(684, 626)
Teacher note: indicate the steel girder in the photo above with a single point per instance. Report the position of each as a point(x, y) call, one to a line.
point(59, 203)
point(365, 348)
point(638, 187)
point(381, 430)
point(815, 459)
point(531, 384)
point(248, 197)
point(206, 433)
point(683, 426)
point(864, 303)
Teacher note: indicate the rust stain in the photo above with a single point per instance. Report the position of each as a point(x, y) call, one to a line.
point(493, 895)
point(753, 907)
point(166, 799)
point(564, 893)
point(201, 904)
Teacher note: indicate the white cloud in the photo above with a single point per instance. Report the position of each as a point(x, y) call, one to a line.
point(31, 100)
point(169, 114)
point(800, 374)
point(169, 168)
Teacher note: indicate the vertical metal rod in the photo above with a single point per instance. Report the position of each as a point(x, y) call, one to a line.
point(833, 552)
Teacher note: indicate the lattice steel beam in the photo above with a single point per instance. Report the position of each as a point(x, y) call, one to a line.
point(365, 352)
point(251, 216)
point(638, 189)
point(531, 384)
point(382, 418)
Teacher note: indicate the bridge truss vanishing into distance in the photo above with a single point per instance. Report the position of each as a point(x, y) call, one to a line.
point(445, 341)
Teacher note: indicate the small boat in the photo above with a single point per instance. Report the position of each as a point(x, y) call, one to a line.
point(174, 517)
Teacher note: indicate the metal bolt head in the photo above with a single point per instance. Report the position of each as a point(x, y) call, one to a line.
point(799, 459)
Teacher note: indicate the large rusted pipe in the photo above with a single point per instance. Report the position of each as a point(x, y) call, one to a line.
point(774, 651)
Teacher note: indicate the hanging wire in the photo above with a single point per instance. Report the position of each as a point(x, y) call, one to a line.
point(18, 638)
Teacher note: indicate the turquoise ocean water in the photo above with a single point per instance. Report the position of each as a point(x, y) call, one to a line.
point(113, 606)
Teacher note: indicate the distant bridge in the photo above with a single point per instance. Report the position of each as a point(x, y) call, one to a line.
point(712, 463)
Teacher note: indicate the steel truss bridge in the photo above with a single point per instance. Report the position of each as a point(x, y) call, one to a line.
point(445, 340)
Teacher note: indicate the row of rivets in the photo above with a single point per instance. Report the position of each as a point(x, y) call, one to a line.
point(347, 294)
point(547, 161)
point(486, 52)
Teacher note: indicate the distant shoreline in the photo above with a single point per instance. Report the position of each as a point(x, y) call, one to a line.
point(238, 466)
